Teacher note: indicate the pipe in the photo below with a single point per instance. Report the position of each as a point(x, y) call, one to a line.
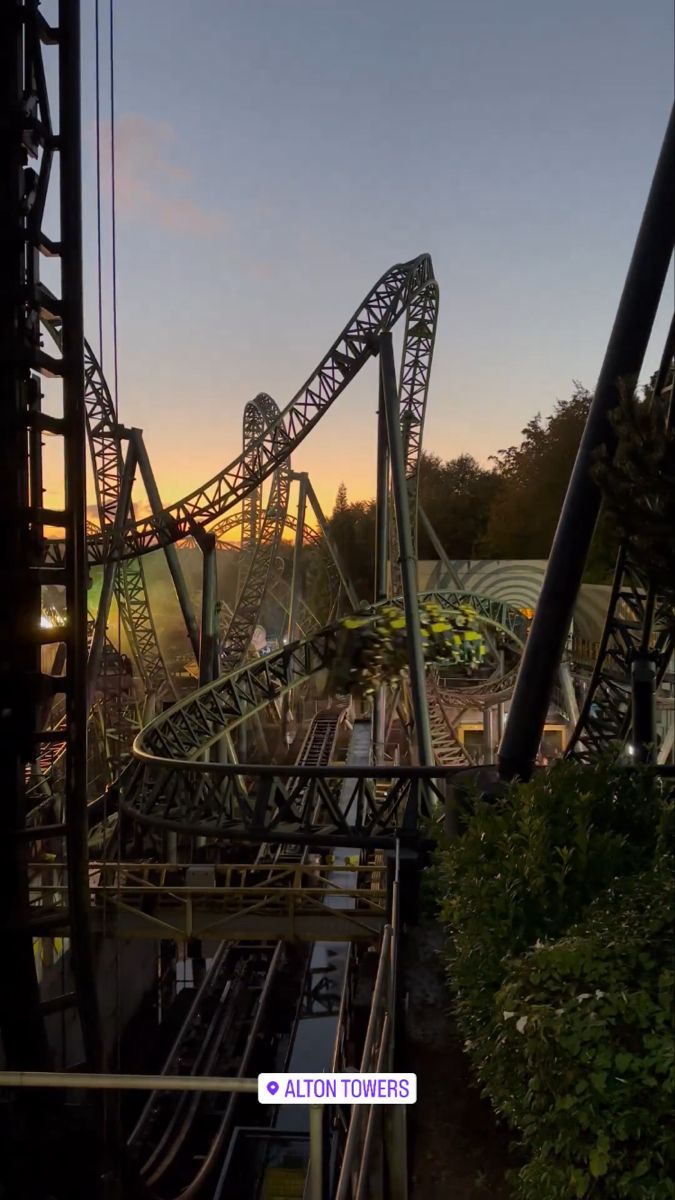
point(77, 571)
point(84, 1080)
point(209, 597)
point(296, 576)
point(623, 360)
point(381, 556)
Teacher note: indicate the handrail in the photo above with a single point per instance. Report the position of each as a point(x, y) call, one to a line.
point(378, 1043)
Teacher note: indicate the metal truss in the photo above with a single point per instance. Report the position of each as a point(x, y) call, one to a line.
point(637, 623)
point(401, 289)
point(448, 748)
point(241, 628)
point(418, 349)
point(241, 902)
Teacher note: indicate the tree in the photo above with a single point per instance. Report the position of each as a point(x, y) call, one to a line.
point(457, 497)
point(532, 483)
point(638, 486)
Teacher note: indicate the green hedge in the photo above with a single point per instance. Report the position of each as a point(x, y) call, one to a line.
point(559, 906)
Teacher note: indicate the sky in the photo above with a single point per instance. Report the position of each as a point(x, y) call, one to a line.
point(275, 157)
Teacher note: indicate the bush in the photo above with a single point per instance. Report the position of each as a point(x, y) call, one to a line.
point(558, 902)
point(580, 1052)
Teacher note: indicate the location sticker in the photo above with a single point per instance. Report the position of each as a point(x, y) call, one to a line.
point(348, 1088)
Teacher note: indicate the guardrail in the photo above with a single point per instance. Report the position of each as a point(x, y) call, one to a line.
point(243, 900)
point(377, 1055)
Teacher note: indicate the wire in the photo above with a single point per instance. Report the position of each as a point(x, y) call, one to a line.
point(113, 211)
point(99, 239)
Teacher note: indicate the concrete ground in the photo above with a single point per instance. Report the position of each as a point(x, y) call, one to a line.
point(456, 1147)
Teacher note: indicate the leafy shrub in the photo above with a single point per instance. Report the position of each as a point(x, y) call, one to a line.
point(528, 866)
point(580, 1052)
point(558, 902)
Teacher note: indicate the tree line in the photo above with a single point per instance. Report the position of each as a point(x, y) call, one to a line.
point(508, 510)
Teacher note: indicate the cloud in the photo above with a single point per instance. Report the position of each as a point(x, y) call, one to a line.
point(150, 185)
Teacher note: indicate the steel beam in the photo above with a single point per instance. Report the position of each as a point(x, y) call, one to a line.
point(208, 639)
point(171, 554)
point(623, 360)
point(109, 573)
point(296, 577)
point(75, 450)
point(381, 560)
point(408, 560)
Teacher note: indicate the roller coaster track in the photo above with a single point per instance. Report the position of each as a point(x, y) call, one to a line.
point(177, 1140)
point(410, 289)
point(167, 785)
point(637, 623)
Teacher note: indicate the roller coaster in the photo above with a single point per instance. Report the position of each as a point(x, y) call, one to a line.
point(268, 823)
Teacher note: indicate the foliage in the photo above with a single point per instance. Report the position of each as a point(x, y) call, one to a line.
point(638, 485)
point(558, 904)
point(509, 510)
point(580, 1051)
point(371, 647)
point(353, 527)
point(533, 479)
point(457, 496)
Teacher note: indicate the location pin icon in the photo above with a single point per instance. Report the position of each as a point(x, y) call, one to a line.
point(273, 1088)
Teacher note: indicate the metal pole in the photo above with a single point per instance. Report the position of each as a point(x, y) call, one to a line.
point(296, 577)
point(408, 561)
point(316, 1155)
point(209, 596)
point(382, 501)
point(332, 546)
point(70, 174)
point(452, 573)
point(170, 552)
point(623, 359)
point(643, 696)
point(109, 572)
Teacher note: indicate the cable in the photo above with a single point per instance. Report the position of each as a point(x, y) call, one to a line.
point(99, 250)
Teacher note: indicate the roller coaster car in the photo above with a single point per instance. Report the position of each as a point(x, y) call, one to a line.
point(371, 647)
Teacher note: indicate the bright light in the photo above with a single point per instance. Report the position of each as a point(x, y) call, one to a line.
point(45, 623)
point(630, 751)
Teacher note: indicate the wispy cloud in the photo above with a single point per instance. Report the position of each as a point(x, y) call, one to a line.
point(152, 188)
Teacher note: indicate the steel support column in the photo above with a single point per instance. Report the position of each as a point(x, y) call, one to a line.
point(77, 573)
point(408, 561)
point(208, 639)
point(381, 560)
point(623, 360)
point(170, 552)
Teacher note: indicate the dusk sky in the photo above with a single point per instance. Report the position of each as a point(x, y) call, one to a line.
point(275, 157)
